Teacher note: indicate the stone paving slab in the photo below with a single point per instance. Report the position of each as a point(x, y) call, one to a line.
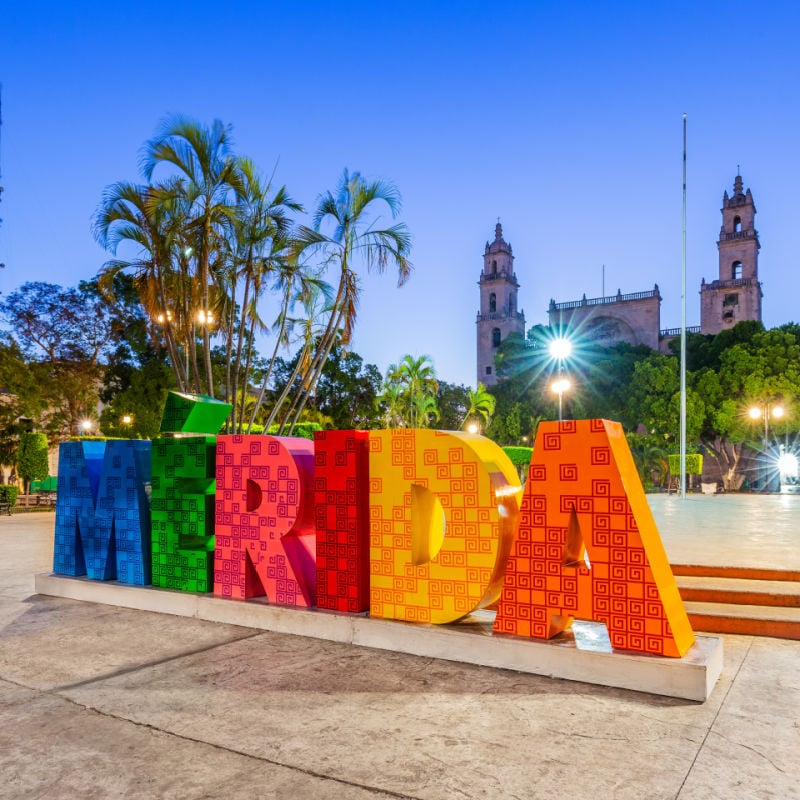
point(52, 749)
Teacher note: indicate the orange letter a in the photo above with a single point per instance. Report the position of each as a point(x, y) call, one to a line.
point(584, 495)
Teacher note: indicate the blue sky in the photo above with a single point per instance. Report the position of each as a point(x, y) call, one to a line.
point(563, 119)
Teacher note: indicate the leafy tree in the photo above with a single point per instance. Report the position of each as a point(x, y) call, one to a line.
point(347, 392)
point(32, 458)
point(650, 457)
point(452, 400)
point(139, 396)
point(762, 371)
point(64, 334)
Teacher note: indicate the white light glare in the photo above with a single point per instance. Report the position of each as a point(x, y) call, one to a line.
point(560, 348)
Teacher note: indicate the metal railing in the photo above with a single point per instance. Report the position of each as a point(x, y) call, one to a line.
point(501, 315)
point(729, 284)
point(677, 331)
point(602, 301)
point(728, 237)
point(496, 276)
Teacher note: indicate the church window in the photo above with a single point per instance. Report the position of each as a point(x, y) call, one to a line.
point(736, 270)
point(494, 267)
point(511, 304)
point(492, 303)
point(495, 337)
point(488, 370)
point(737, 224)
point(731, 300)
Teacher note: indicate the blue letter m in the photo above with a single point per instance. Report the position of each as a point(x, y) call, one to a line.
point(103, 511)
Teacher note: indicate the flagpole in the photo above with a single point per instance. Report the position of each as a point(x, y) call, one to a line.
point(683, 326)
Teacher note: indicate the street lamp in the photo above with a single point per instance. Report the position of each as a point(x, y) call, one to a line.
point(473, 427)
point(86, 426)
point(764, 410)
point(559, 386)
point(560, 350)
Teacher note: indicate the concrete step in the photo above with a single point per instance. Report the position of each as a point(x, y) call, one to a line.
point(751, 620)
point(740, 591)
point(747, 600)
point(746, 573)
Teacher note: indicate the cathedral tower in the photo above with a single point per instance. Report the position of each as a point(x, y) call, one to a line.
point(498, 315)
point(737, 294)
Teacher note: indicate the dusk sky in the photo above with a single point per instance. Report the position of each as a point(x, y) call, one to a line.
point(561, 119)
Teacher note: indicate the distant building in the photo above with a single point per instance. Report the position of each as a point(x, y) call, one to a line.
point(498, 315)
point(636, 317)
point(736, 294)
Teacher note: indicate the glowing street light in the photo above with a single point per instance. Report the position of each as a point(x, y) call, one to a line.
point(205, 317)
point(473, 427)
point(559, 386)
point(86, 426)
point(766, 411)
point(560, 349)
point(127, 419)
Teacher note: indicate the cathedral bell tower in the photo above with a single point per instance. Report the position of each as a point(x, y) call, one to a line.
point(736, 294)
point(498, 315)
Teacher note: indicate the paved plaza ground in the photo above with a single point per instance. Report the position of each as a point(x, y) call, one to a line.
point(101, 702)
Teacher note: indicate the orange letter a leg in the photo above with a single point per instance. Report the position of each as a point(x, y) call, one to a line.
point(584, 495)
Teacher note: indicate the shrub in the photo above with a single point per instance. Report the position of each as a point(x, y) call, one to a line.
point(9, 494)
point(302, 429)
point(694, 463)
point(520, 456)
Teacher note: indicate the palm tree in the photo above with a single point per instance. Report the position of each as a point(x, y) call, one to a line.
point(409, 393)
point(314, 296)
point(425, 410)
point(211, 176)
point(353, 238)
point(418, 378)
point(480, 404)
point(148, 218)
point(258, 245)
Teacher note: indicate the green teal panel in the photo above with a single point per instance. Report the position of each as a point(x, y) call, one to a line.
point(193, 413)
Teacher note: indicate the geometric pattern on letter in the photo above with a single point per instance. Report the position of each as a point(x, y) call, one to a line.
point(443, 509)
point(341, 510)
point(182, 512)
point(587, 486)
point(79, 466)
point(265, 538)
point(102, 513)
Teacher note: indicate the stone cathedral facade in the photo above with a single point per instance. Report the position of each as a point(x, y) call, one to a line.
point(735, 295)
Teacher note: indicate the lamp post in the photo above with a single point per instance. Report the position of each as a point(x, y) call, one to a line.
point(560, 386)
point(560, 350)
point(764, 410)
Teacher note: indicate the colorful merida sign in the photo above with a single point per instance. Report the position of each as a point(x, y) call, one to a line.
point(414, 525)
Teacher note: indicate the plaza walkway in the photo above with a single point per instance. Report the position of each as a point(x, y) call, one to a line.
point(101, 702)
